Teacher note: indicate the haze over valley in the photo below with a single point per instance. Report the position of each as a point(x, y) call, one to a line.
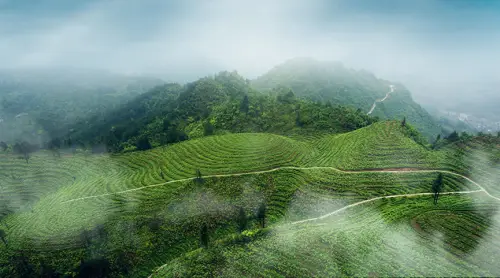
point(249, 138)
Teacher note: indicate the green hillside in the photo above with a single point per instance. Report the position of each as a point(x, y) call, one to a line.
point(220, 104)
point(131, 213)
point(402, 237)
point(333, 82)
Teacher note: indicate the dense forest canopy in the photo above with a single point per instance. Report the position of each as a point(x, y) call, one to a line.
point(224, 103)
point(106, 112)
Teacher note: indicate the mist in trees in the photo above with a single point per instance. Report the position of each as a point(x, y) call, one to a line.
point(245, 105)
point(25, 149)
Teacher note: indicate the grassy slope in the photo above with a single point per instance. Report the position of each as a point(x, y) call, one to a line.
point(399, 237)
point(381, 145)
point(290, 194)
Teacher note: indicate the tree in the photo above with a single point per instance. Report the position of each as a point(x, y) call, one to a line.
point(208, 128)
point(4, 212)
point(244, 105)
point(4, 146)
point(68, 142)
point(204, 236)
point(298, 121)
point(438, 138)
point(403, 123)
point(143, 144)
point(54, 145)
point(25, 149)
point(46, 271)
point(261, 214)
point(437, 186)
point(21, 264)
point(85, 238)
point(2, 236)
point(95, 268)
point(242, 220)
point(453, 137)
point(199, 179)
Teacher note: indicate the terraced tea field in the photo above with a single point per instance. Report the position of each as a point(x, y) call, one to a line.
point(152, 203)
point(393, 237)
point(379, 146)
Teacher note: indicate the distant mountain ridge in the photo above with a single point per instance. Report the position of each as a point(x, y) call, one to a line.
point(36, 105)
point(335, 83)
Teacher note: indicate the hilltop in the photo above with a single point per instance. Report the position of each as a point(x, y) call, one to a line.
point(214, 105)
point(120, 114)
point(335, 83)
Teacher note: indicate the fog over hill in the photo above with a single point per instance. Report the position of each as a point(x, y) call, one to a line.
point(421, 41)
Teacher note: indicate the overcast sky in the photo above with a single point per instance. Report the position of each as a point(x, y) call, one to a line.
point(449, 41)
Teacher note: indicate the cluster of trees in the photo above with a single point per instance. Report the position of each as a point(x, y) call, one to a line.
point(456, 137)
point(242, 219)
point(330, 81)
point(242, 222)
point(223, 103)
point(121, 245)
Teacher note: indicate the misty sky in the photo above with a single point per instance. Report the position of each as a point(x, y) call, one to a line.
point(180, 40)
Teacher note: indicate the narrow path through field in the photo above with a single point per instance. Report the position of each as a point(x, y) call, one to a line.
point(382, 197)
point(381, 100)
point(405, 170)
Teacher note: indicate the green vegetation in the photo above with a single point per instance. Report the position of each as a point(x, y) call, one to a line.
point(36, 106)
point(398, 237)
point(219, 192)
point(332, 82)
point(216, 105)
point(227, 177)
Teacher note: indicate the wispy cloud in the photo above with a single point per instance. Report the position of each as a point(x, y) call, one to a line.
point(185, 39)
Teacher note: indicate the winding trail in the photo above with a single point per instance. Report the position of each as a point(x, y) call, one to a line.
point(381, 197)
point(381, 100)
point(395, 171)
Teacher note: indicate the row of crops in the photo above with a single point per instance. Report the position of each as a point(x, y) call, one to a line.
point(400, 237)
point(37, 191)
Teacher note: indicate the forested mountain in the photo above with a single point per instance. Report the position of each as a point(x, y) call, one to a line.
point(38, 105)
point(333, 82)
point(112, 113)
point(224, 103)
